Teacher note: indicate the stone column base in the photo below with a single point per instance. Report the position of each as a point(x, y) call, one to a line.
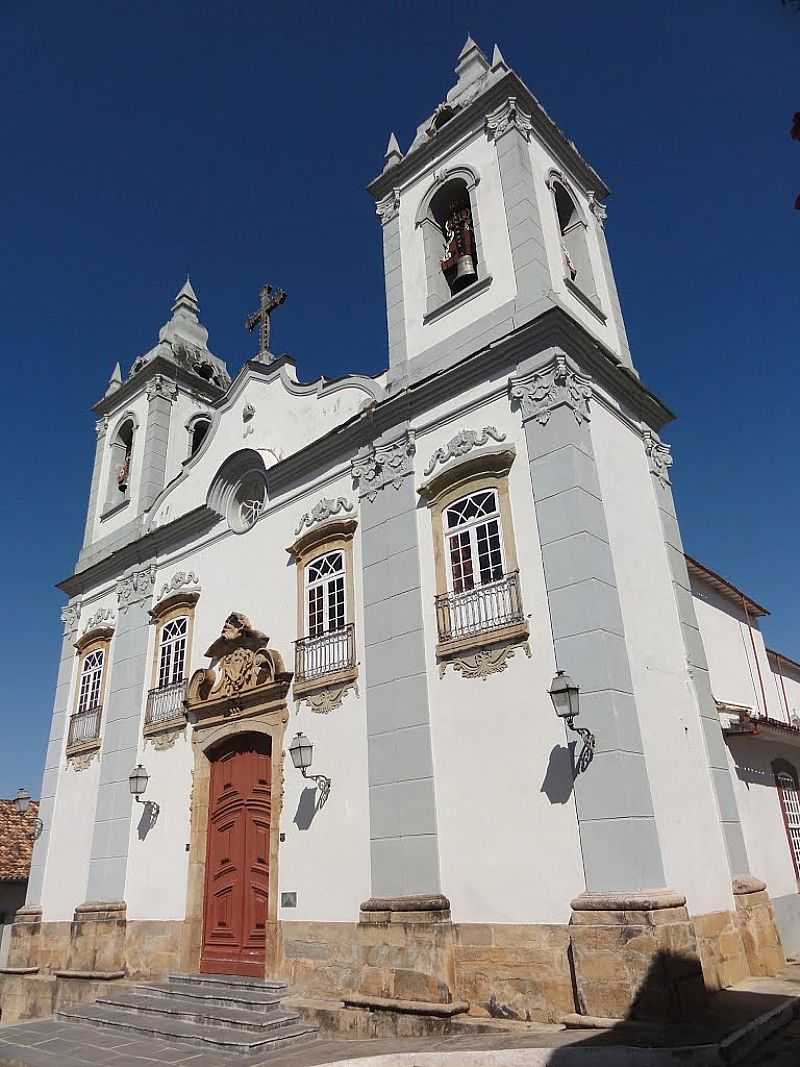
point(26, 935)
point(406, 949)
point(635, 956)
point(756, 921)
point(97, 938)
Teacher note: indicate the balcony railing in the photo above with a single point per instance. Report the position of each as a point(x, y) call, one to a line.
point(165, 703)
point(480, 610)
point(84, 726)
point(315, 657)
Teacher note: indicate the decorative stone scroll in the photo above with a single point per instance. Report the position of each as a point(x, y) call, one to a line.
point(135, 587)
point(243, 671)
point(659, 455)
point(101, 427)
point(324, 701)
point(553, 386)
point(177, 581)
point(384, 465)
point(80, 761)
point(483, 662)
point(463, 442)
point(599, 210)
point(103, 616)
point(509, 116)
point(165, 739)
point(388, 208)
point(161, 386)
point(321, 512)
point(70, 616)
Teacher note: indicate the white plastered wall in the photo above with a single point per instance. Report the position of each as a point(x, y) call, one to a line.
point(497, 744)
point(252, 573)
point(729, 641)
point(685, 807)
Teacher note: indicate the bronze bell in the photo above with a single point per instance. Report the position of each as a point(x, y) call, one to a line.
point(465, 270)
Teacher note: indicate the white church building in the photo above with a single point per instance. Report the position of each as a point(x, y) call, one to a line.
point(318, 634)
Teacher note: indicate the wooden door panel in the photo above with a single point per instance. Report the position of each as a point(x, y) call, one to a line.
point(237, 859)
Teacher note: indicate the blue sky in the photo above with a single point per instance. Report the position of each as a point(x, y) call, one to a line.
point(235, 140)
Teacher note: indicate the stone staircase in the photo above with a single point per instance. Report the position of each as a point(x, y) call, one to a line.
point(209, 1011)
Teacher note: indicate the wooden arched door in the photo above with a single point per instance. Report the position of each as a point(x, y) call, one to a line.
point(237, 857)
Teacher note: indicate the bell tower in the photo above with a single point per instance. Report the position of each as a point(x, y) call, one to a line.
point(149, 425)
point(490, 218)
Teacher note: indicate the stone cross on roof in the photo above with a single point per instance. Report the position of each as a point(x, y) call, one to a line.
point(270, 299)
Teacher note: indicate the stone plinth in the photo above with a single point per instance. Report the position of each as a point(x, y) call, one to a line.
point(26, 935)
point(756, 922)
point(635, 956)
point(97, 938)
point(719, 943)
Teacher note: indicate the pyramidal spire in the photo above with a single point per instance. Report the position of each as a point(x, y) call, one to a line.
point(470, 66)
point(115, 381)
point(497, 58)
point(185, 322)
point(393, 155)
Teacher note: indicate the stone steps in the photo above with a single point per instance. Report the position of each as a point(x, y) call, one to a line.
point(207, 1011)
point(203, 1011)
point(191, 992)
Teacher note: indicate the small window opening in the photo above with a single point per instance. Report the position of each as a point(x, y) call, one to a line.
point(200, 428)
point(452, 213)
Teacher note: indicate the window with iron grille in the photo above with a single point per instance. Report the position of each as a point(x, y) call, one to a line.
point(786, 783)
point(474, 541)
point(172, 652)
point(91, 680)
point(325, 594)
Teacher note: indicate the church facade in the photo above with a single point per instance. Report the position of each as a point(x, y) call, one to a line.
point(398, 687)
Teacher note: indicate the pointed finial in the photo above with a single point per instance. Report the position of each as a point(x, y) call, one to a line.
point(115, 381)
point(469, 44)
point(393, 155)
point(187, 291)
point(497, 58)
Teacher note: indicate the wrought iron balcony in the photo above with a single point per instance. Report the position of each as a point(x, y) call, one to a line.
point(84, 726)
point(334, 651)
point(481, 610)
point(165, 703)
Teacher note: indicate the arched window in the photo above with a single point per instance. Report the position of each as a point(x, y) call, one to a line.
point(789, 794)
point(574, 245)
point(172, 651)
point(474, 544)
point(121, 458)
point(325, 594)
point(84, 723)
point(198, 428)
point(451, 237)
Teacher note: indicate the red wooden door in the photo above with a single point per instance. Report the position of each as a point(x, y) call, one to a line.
point(237, 858)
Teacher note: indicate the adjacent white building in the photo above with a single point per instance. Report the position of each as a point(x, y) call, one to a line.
point(395, 568)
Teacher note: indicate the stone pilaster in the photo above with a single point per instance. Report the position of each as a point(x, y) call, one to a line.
point(70, 617)
point(759, 932)
point(619, 840)
point(388, 211)
point(510, 127)
point(404, 844)
point(161, 394)
point(121, 727)
point(660, 461)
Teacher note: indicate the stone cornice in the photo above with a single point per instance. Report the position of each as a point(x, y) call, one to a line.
point(659, 456)
point(377, 466)
point(472, 116)
point(555, 385)
point(141, 382)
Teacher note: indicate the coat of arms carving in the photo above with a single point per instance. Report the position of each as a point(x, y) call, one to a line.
point(243, 671)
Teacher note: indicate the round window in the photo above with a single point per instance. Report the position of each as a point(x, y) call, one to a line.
point(247, 501)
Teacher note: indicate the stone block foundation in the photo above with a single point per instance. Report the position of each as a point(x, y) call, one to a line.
point(756, 921)
point(635, 955)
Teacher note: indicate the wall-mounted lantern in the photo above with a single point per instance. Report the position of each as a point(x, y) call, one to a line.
point(22, 802)
point(565, 695)
point(137, 781)
point(302, 751)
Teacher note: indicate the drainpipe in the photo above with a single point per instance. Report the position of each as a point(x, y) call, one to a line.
point(755, 654)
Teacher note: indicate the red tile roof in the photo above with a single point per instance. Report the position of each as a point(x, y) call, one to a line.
point(16, 840)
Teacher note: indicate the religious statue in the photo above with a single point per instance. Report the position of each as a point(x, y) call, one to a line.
point(458, 263)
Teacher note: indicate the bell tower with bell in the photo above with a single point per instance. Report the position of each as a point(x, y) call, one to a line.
point(490, 219)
